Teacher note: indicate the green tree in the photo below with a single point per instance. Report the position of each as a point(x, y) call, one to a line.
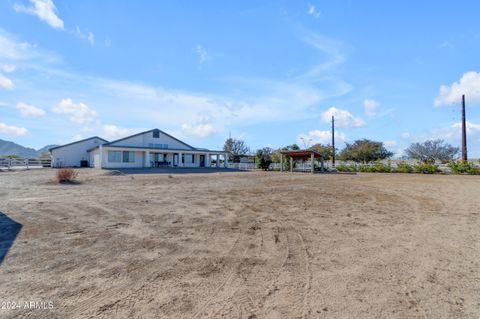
point(13, 156)
point(365, 151)
point(325, 150)
point(264, 158)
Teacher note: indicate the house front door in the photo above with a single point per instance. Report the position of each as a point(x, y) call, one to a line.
point(202, 160)
point(175, 159)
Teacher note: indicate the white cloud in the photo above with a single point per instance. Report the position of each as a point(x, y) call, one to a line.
point(333, 50)
point(390, 143)
point(12, 49)
point(320, 137)
point(87, 35)
point(78, 112)
point(77, 137)
point(406, 135)
point(45, 10)
point(469, 85)
point(13, 130)
point(471, 127)
point(313, 11)
point(29, 110)
point(371, 107)
point(8, 68)
point(202, 54)
point(6, 83)
point(199, 130)
point(343, 118)
point(260, 101)
point(114, 132)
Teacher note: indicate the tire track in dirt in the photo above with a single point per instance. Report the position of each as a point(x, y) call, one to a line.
point(223, 292)
point(246, 299)
point(127, 292)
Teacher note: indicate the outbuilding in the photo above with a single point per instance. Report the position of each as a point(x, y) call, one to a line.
point(75, 154)
point(303, 155)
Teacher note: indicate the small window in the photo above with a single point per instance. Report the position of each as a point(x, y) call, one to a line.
point(165, 145)
point(128, 157)
point(188, 158)
point(150, 145)
point(114, 156)
point(156, 133)
point(158, 145)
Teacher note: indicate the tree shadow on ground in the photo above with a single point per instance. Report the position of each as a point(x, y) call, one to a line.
point(9, 230)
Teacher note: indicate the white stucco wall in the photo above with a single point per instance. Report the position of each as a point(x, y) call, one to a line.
point(95, 158)
point(71, 155)
point(145, 139)
point(139, 160)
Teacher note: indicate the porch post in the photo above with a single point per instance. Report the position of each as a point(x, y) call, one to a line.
point(291, 164)
point(322, 164)
point(100, 155)
point(225, 161)
point(312, 159)
point(217, 162)
point(281, 162)
point(147, 159)
point(180, 162)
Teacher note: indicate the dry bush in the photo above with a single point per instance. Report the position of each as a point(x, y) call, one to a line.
point(66, 175)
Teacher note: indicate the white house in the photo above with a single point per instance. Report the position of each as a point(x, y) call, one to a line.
point(72, 154)
point(153, 148)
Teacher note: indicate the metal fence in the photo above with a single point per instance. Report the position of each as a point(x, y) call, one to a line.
point(23, 163)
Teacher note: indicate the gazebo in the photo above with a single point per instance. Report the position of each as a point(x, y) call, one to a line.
point(301, 155)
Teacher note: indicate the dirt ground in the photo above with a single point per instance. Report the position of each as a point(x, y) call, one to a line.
point(242, 245)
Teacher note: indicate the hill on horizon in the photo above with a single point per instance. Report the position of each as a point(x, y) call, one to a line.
point(11, 148)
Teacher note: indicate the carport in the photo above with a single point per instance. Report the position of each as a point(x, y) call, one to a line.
point(301, 155)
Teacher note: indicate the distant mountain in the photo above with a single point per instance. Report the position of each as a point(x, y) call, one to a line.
point(10, 148)
point(46, 148)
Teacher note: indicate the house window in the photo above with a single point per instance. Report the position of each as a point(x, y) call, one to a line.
point(188, 158)
point(150, 145)
point(128, 157)
point(165, 145)
point(114, 156)
point(156, 133)
point(158, 145)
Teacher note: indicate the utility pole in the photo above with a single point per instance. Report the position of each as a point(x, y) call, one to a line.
point(464, 131)
point(333, 141)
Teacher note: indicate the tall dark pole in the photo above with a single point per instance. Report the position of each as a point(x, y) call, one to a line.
point(333, 141)
point(464, 131)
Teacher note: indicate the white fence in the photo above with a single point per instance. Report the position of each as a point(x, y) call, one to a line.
point(306, 165)
point(23, 163)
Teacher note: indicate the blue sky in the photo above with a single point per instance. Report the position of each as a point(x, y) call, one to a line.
point(271, 73)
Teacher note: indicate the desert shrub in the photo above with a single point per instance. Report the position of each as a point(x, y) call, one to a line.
point(66, 175)
point(381, 168)
point(459, 167)
point(346, 168)
point(426, 168)
point(404, 167)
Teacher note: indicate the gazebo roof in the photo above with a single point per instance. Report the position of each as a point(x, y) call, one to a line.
point(302, 154)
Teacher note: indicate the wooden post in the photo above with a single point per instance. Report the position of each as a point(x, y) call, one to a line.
point(322, 164)
point(281, 162)
point(333, 141)
point(464, 132)
point(312, 159)
point(291, 164)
